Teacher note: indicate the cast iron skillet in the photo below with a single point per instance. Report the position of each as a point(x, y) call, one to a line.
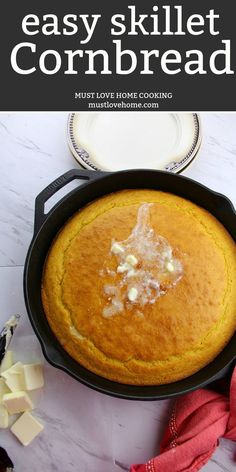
point(46, 227)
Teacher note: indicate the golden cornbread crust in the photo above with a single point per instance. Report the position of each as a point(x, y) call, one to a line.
point(182, 332)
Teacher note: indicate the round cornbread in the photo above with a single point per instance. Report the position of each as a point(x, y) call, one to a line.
point(182, 331)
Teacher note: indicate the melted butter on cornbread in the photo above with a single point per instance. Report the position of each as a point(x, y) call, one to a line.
point(146, 265)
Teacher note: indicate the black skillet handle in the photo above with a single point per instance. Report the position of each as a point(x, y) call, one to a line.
point(51, 189)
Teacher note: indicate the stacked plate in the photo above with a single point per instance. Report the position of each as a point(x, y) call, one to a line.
point(116, 141)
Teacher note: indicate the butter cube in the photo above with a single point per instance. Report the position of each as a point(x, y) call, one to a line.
point(6, 362)
point(14, 377)
point(116, 248)
point(3, 417)
point(123, 268)
point(132, 260)
point(170, 267)
point(17, 402)
point(3, 389)
point(26, 428)
point(132, 294)
point(33, 376)
point(14, 369)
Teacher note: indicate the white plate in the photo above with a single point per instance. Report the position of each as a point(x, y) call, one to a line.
point(116, 141)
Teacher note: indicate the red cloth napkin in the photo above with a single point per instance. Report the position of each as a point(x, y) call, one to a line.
point(197, 422)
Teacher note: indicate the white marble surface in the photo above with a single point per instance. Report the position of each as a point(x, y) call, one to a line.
point(99, 433)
